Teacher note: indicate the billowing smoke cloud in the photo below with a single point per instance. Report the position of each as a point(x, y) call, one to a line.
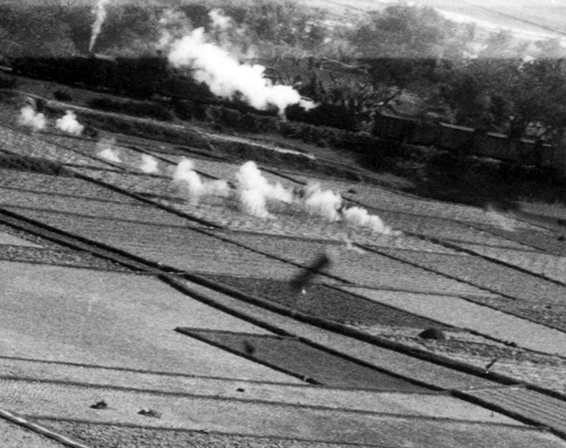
point(99, 11)
point(185, 175)
point(254, 191)
point(32, 119)
point(196, 188)
point(105, 150)
point(360, 217)
point(149, 164)
point(69, 124)
point(324, 203)
point(225, 75)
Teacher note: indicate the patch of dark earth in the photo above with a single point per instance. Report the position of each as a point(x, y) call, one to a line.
point(325, 302)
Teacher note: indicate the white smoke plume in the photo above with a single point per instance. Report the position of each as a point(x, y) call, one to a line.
point(148, 164)
point(185, 174)
point(110, 155)
point(226, 76)
point(254, 190)
point(197, 188)
point(324, 203)
point(359, 216)
point(32, 119)
point(217, 188)
point(105, 150)
point(69, 124)
point(100, 12)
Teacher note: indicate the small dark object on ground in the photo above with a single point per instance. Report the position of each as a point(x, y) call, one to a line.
point(149, 413)
point(561, 222)
point(433, 333)
point(249, 348)
point(561, 238)
point(100, 405)
point(240, 389)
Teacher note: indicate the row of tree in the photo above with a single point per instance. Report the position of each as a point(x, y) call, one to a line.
point(406, 58)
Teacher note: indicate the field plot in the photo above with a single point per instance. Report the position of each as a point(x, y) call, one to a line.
point(219, 419)
point(16, 199)
point(445, 230)
point(552, 315)
point(62, 185)
point(368, 269)
point(548, 265)
point(22, 246)
point(115, 320)
point(488, 275)
point(326, 302)
point(20, 143)
point(290, 355)
point(543, 239)
point(180, 248)
point(464, 314)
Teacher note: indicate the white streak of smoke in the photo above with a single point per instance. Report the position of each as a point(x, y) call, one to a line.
point(69, 124)
point(185, 174)
point(253, 203)
point(225, 76)
point(360, 217)
point(254, 190)
point(109, 155)
point(30, 118)
point(148, 164)
point(323, 203)
point(217, 188)
point(100, 11)
point(105, 150)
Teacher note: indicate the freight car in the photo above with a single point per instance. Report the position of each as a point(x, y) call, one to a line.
point(468, 141)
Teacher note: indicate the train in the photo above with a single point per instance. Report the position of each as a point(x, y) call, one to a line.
point(469, 141)
point(152, 77)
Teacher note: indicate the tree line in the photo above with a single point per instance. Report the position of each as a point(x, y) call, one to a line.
point(406, 59)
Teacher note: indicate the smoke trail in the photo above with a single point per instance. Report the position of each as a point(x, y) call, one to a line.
point(323, 203)
point(100, 11)
point(360, 217)
point(226, 76)
point(105, 150)
point(185, 175)
point(69, 124)
point(148, 164)
point(254, 191)
point(109, 155)
point(30, 118)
